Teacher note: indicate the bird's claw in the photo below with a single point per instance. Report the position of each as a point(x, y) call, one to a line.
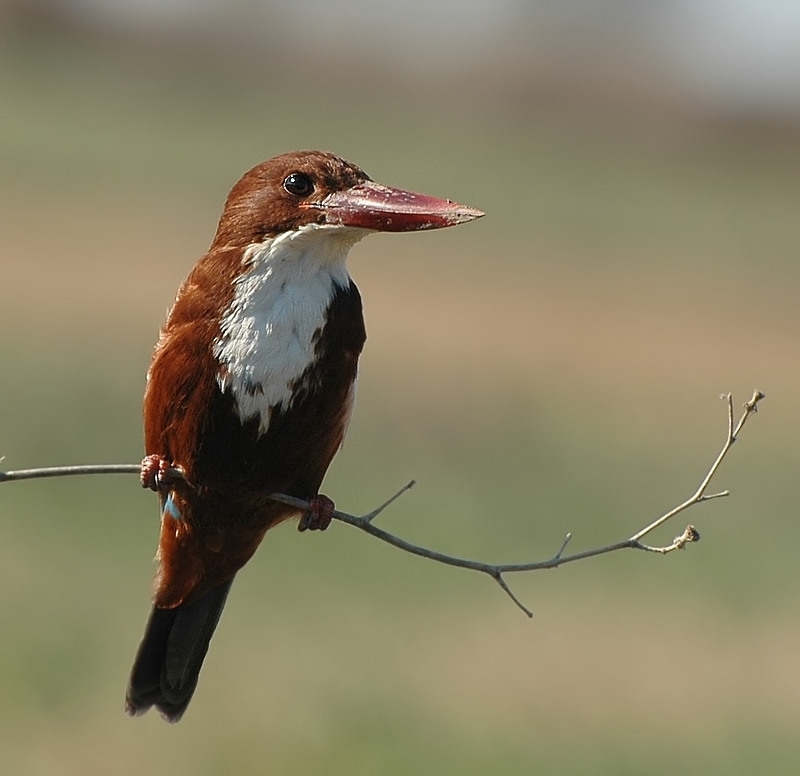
point(318, 516)
point(155, 473)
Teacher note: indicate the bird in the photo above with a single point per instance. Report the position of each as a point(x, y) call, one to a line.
point(250, 390)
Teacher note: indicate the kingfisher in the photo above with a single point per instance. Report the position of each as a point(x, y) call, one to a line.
point(251, 388)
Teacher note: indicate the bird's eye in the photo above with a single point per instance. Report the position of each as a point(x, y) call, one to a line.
point(299, 184)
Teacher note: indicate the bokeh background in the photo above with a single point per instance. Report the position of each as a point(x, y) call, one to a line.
point(553, 367)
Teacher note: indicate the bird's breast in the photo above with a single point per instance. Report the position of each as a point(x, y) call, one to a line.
point(270, 338)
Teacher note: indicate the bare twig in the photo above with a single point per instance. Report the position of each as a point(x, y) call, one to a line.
point(68, 471)
point(495, 571)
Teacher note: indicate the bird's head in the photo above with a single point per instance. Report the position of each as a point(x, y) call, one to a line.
point(302, 188)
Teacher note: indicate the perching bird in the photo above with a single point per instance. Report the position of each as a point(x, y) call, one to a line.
point(251, 388)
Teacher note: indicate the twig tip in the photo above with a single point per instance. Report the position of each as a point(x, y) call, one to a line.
point(752, 404)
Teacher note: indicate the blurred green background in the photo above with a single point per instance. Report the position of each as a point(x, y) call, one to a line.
point(553, 367)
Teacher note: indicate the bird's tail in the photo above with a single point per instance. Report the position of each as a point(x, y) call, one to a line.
point(169, 658)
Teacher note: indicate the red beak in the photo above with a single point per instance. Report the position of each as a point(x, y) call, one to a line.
point(384, 209)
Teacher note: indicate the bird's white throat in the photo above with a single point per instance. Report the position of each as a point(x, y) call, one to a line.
point(268, 333)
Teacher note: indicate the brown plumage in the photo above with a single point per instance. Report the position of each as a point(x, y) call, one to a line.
point(251, 387)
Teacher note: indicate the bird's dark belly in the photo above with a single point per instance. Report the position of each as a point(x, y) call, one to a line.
point(244, 466)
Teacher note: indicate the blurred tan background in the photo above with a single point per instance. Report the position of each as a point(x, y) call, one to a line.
point(553, 367)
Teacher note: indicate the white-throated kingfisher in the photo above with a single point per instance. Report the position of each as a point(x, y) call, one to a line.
point(251, 388)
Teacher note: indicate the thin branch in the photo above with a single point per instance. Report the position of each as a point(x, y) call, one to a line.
point(69, 471)
point(495, 571)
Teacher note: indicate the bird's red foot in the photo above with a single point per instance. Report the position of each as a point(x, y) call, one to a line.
point(318, 516)
point(155, 472)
